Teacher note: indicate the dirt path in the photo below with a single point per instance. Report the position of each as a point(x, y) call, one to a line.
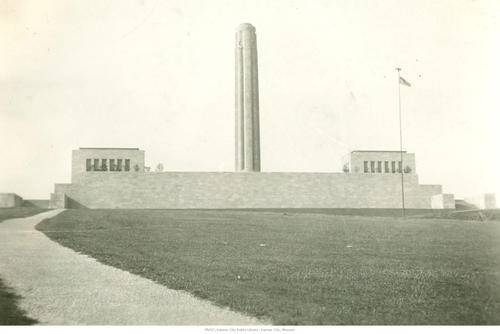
point(60, 286)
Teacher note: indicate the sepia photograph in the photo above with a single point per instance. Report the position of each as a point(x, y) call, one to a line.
point(249, 166)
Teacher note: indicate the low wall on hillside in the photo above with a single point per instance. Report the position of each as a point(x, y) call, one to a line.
point(443, 201)
point(36, 203)
point(10, 200)
point(242, 190)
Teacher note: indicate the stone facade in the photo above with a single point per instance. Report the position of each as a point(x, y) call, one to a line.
point(379, 162)
point(109, 157)
point(205, 190)
point(242, 190)
point(58, 198)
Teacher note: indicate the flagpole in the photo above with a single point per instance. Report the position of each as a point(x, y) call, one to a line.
point(401, 145)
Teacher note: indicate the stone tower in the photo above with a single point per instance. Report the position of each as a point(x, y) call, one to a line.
point(247, 100)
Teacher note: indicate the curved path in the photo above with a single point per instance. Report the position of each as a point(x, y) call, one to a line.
point(60, 286)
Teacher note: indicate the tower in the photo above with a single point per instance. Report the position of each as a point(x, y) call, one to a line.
point(247, 100)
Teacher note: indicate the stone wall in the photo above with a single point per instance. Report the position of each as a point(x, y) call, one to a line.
point(243, 190)
point(443, 201)
point(58, 198)
point(10, 200)
point(79, 157)
point(356, 160)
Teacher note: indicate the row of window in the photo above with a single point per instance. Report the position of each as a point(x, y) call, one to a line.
point(101, 165)
point(376, 167)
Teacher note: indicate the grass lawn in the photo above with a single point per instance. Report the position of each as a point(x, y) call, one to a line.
point(303, 268)
point(10, 314)
point(19, 212)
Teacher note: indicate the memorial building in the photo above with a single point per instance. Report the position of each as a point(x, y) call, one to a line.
point(118, 178)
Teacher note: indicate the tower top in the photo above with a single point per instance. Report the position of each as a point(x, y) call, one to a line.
point(245, 26)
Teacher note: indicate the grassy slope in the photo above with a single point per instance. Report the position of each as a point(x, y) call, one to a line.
point(474, 214)
point(19, 212)
point(10, 314)
point(418, 271)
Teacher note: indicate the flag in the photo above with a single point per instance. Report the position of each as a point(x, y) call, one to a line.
point(404, 82)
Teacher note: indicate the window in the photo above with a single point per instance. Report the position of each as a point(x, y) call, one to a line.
point(88, 165)
point(104, 165)
point(127, 165)
point(112, 166)
point(119, 165)
point(386, 166)
point(399, 166)
point(393, 165)
point(365, 164)
point(379, 166)
point(372, 166)
point(96, 164)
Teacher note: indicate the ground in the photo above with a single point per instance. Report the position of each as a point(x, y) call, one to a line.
point(18, 212)
point(10, 314)
point(305, 267)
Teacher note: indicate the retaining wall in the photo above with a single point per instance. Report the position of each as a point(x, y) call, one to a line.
point(10, 200)
point(242, 190)
point(443, 201)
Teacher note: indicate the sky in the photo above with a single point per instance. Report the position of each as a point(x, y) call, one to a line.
point(159, 75)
